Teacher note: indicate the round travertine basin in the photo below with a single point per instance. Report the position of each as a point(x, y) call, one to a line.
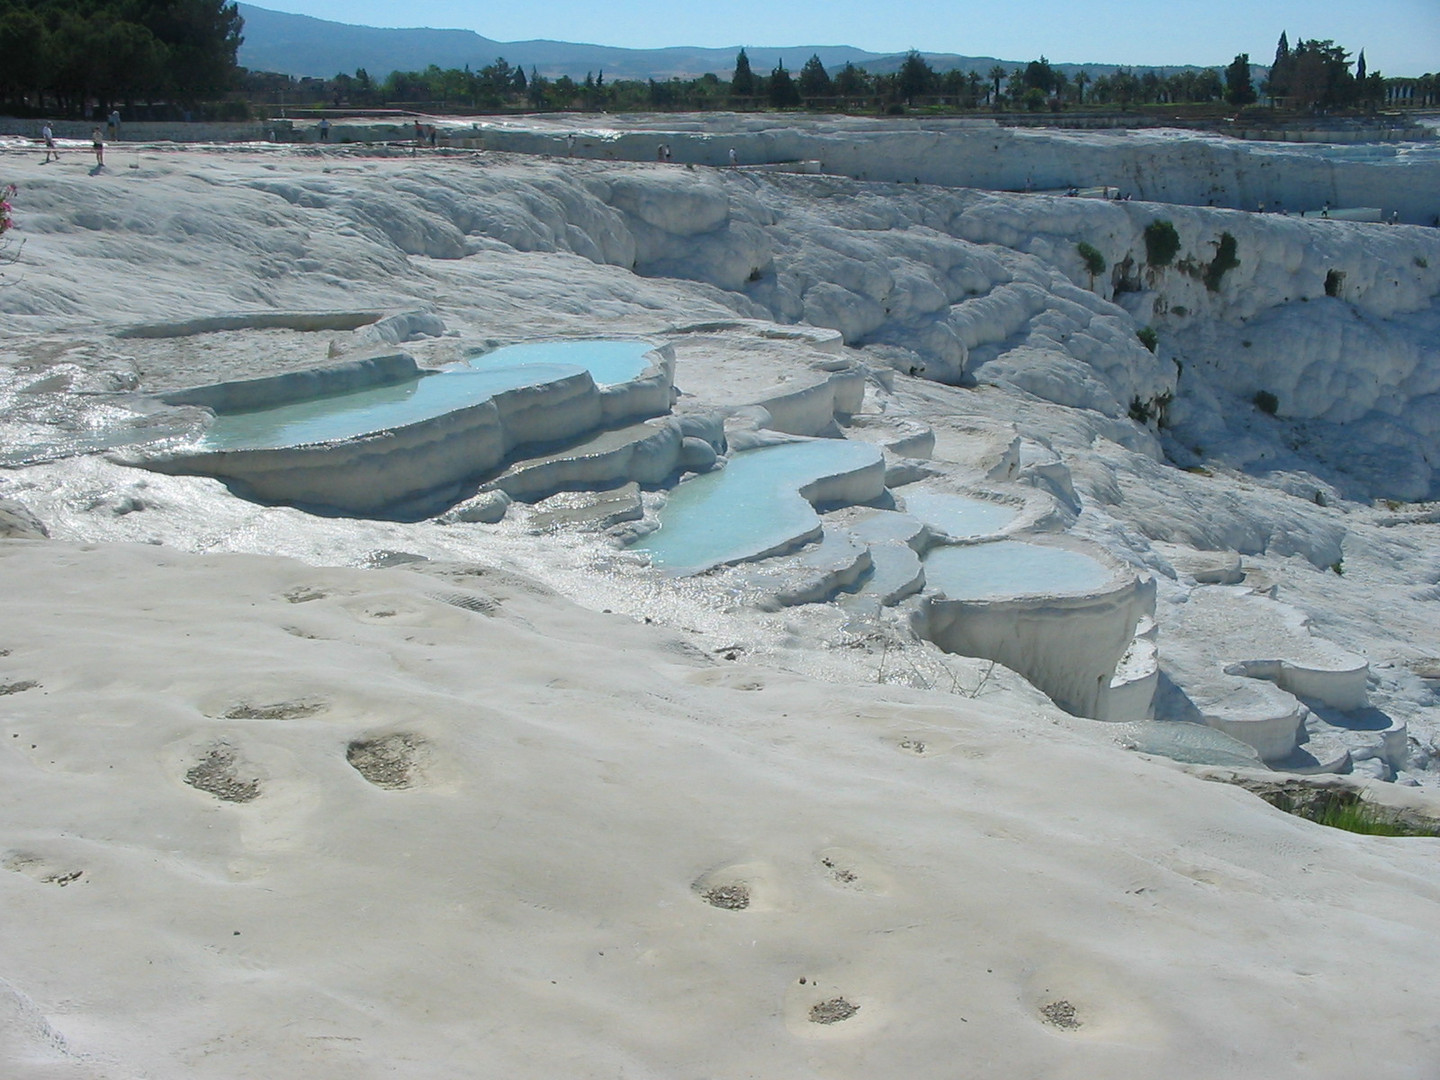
point(1057, 615)
point(959, 516)
point(372, 409)
point(609, 362)
point(760, 503)
point(1009, 568)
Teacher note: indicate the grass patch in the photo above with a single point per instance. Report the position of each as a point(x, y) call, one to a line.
point(1148, 337)
point(1344, 810)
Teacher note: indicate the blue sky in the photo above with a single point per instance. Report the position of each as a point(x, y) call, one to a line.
point(1400, 37)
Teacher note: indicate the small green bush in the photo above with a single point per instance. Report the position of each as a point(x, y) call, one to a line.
point(1223, 263)
point(1267, 402)
point(1162, 243)
point(1148, 337)
point(1091, 257)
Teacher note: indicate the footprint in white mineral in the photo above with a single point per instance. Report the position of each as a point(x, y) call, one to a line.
point(219, 773)
point(41, 869)
point(393, 761)
point(280, 710)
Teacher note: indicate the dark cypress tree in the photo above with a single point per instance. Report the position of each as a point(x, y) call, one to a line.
point(1239, 90)
point(742, 83)
point(1281, 69)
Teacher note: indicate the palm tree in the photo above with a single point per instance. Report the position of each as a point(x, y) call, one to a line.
point(1081, 81)
point(997, 74)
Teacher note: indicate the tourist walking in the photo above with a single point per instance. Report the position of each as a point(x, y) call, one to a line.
point(324, 130)
point(734, 158)
point(99, 141)
point(48, 135)
point(113, 124)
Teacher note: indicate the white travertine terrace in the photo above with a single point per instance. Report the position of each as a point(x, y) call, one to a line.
point(561, 785)
point(422, 463)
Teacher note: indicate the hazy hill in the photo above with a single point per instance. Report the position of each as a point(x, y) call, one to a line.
point(300, 45)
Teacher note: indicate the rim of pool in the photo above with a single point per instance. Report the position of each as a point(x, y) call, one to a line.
point(612, 361)
point(1023, 568)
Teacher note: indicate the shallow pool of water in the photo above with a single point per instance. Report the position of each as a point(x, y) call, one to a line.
point(1011, 568)
point(609, 362)
point(753, 505)
point(957, 516)
point(374, 409)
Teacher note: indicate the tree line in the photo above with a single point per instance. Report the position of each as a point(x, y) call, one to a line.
point(1314, 75)
point(75, 56)
point(500, 85)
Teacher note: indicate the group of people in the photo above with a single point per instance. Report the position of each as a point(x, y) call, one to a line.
point(97, 139)
point(662, 152)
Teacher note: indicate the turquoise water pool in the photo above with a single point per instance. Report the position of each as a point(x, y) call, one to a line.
point(427, 396)
point(374, 409)
point(1011, 568)
point(751, 506)
point(609, 362)
point(957, 516)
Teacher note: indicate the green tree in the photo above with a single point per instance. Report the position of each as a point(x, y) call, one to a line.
point(851, 81)
point(783, 92)
point(1278, 84)
point(915, 77)
point(973, 82)
point(1039, 75)
point(996, 75)
point(201, 37)
point(1162, 243)
point(1239, 91)
point(78, 51)
point(1319, 74)
point(24, 45)
point(742, 83)
point(815, 80)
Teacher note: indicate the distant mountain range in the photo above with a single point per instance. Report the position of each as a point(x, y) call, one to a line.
point(300, 45)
